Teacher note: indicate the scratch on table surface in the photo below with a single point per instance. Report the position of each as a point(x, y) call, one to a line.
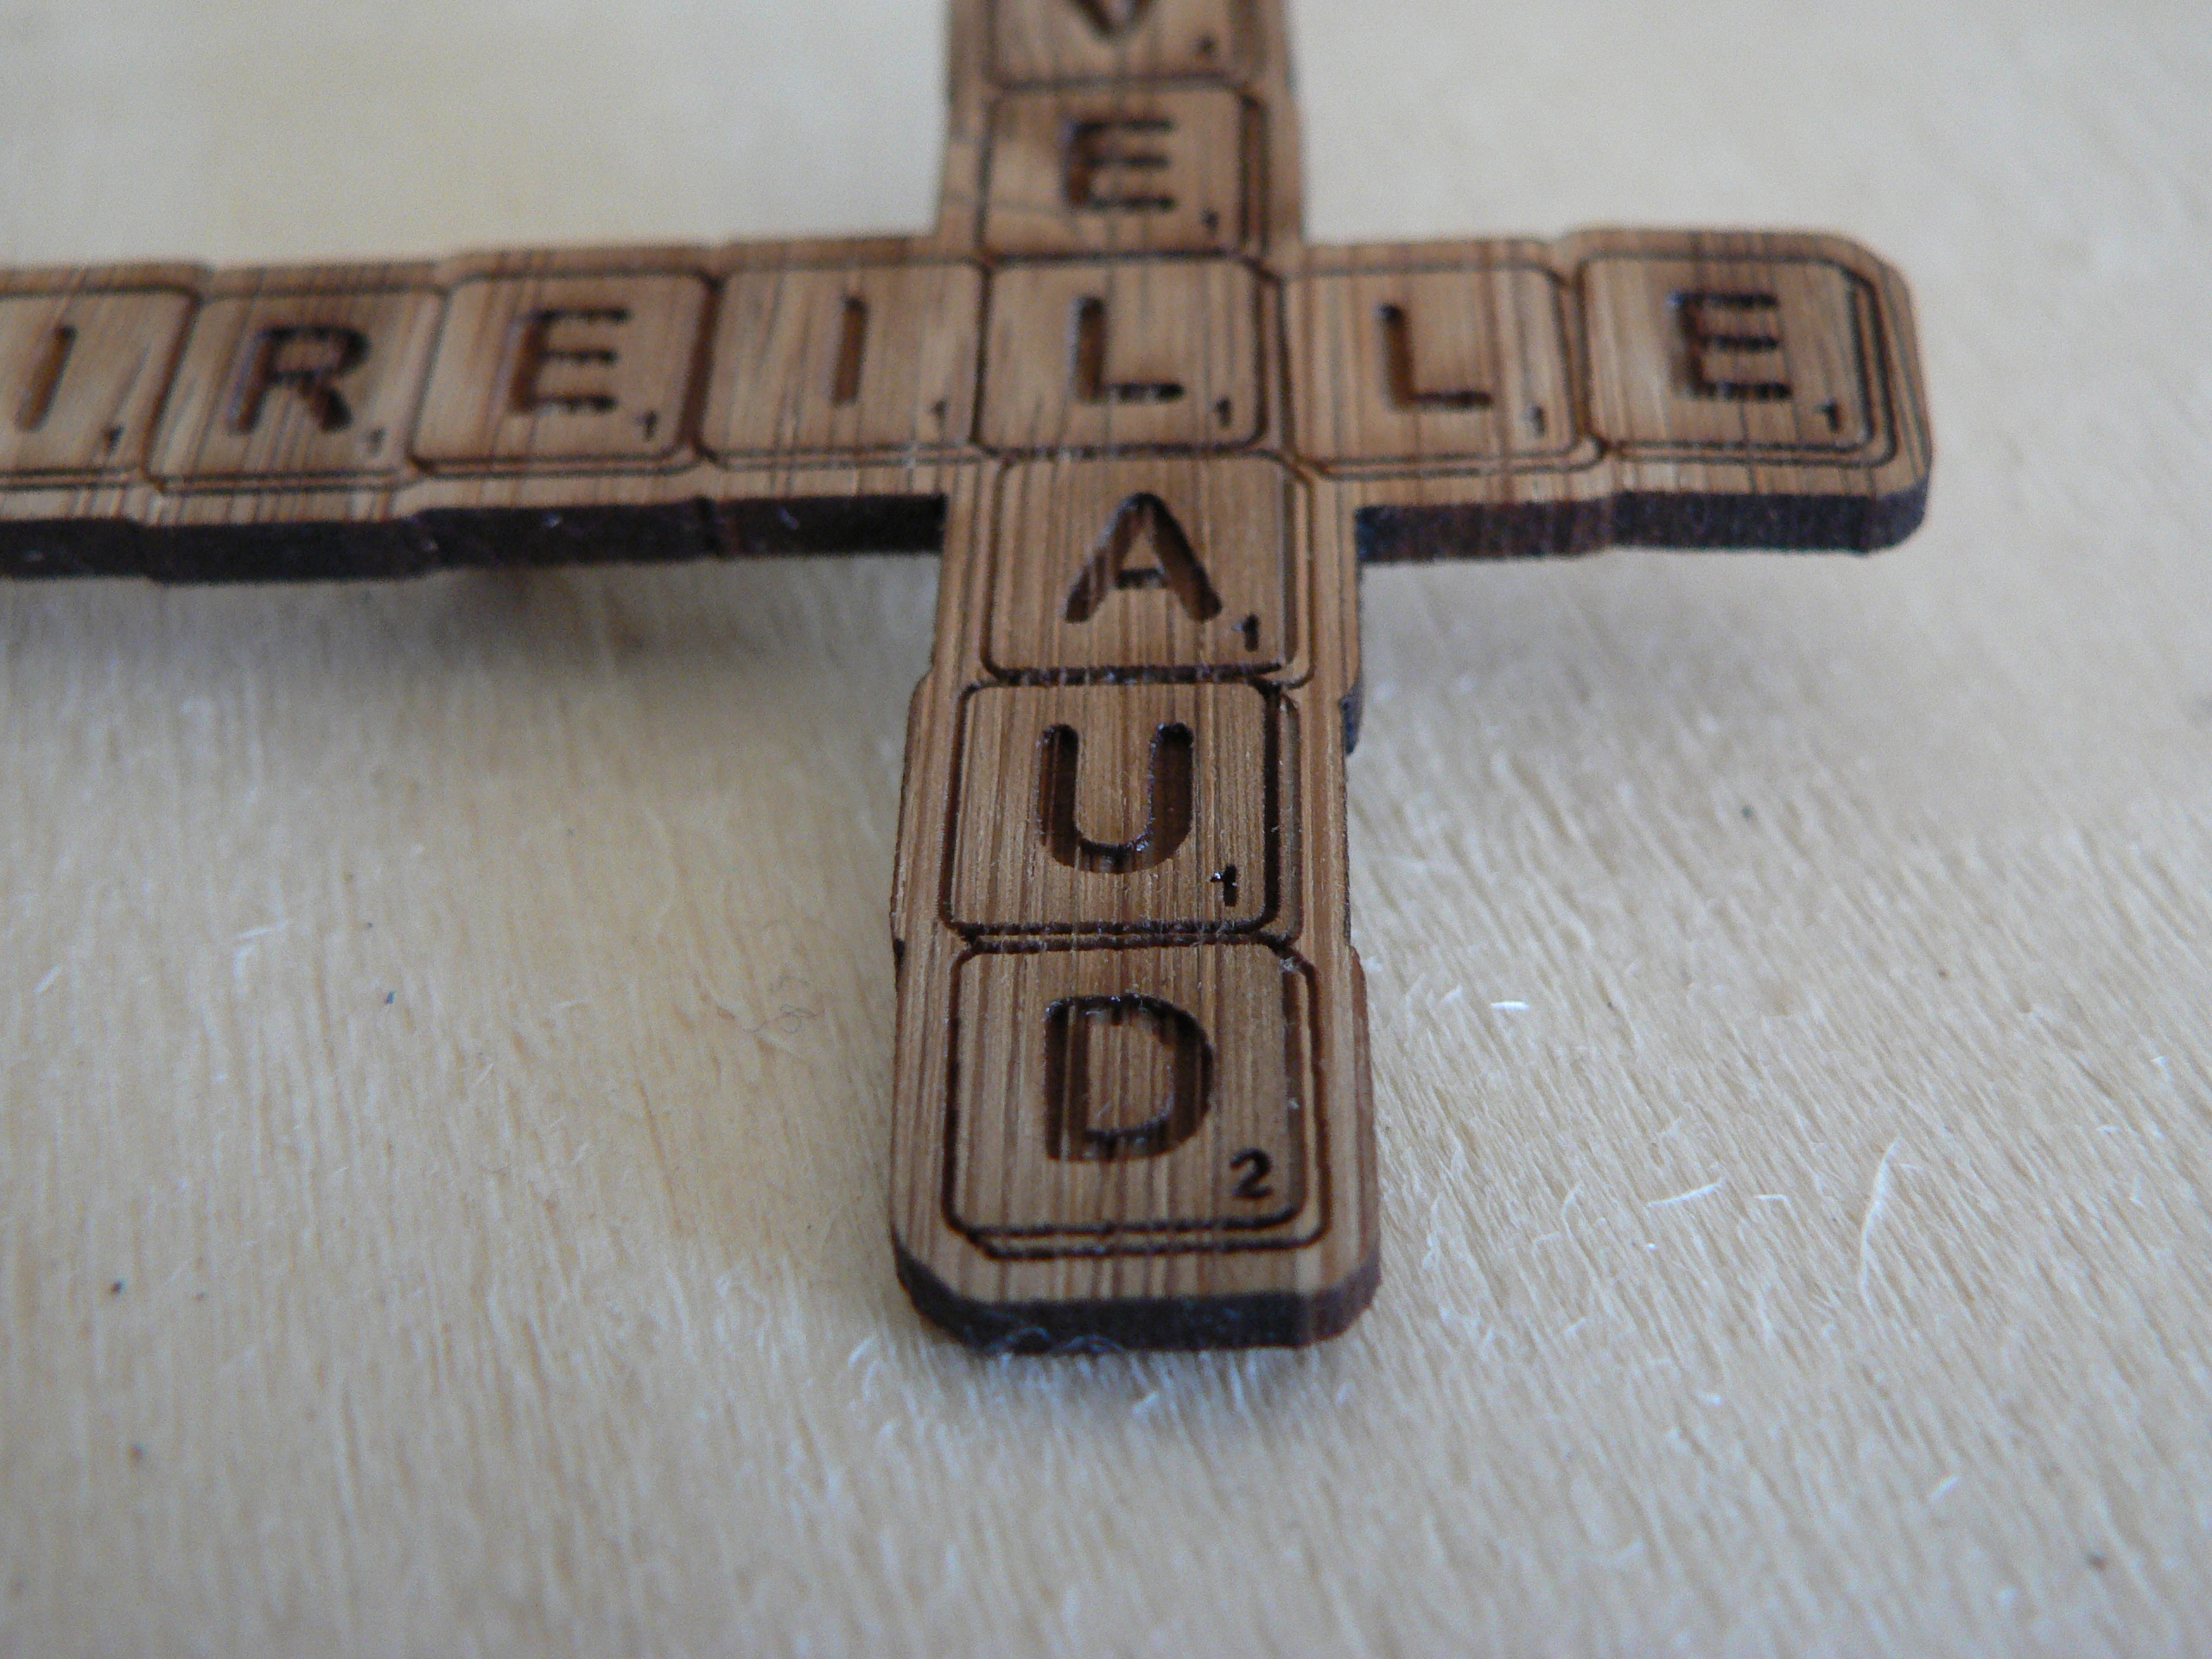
point(1878, 1200)
point(1706, 1191)
point(1572, 1193)
point(52, 974)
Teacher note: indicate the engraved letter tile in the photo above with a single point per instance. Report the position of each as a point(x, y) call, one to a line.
point(81, 378)
point(1110, 1100)
point(1036, 42)
point(563, 368)
point(1758, 354)
point(1166, 566)
point(1120, 171)
point(863, 359)
point(1121, 809)
point(1133, 354)
point(1419, 366)
point(298, 385)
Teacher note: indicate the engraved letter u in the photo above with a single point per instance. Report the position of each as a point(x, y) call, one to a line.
point(1168, 819)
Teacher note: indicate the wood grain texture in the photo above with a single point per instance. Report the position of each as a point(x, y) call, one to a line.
point(545, 1304)
point(1118, 276)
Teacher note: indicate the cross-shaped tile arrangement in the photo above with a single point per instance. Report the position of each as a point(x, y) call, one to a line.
point(1154, 433)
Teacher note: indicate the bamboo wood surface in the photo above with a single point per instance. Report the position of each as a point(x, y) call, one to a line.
point(449, 1092)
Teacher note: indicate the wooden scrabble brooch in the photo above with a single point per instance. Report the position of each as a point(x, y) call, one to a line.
point(1154, 433)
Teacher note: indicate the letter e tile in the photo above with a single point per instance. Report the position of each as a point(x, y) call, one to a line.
point(1743, 354)
point(1169, 567)
point(563, 368)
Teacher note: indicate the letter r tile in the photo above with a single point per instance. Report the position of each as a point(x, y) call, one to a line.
point(1121, 810)
point(1120, 171)
point(563, 368)
point(1120, 1100)
point(1169, 566)
point(298, 385)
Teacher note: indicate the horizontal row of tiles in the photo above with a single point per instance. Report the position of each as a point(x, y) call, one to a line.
point(113, 375)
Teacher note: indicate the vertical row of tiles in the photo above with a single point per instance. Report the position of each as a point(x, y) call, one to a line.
point(1119, 1031)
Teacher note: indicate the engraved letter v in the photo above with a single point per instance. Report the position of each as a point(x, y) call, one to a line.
point(1115, 18)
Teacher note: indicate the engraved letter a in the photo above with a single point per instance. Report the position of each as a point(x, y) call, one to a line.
point(1143, 517)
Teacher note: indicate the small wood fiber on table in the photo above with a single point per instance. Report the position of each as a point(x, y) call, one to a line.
point(1114, 369)
point(450, 1045)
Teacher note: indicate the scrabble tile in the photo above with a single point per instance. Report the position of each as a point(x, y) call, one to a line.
point(851, 359)
point(1124, 1099)
point(1123, 354)
point(298, 385)
point(1427, 366)
point(1125, 169)
point(1168, 566)
point(1120, 809)
point(563, 368)
point(1738, 354)
point(1043, 42)
point(82, 376)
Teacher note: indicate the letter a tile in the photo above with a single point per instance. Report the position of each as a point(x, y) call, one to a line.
point(1118, 1098)
point(1170, 567)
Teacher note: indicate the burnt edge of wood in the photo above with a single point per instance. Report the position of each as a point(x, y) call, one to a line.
point(1263, 1320)
point(482, 538)
point(1801, 523)
point(473, 538)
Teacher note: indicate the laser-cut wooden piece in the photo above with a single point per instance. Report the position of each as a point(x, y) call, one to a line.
point(1123, 808)
point(298, 385)
point(1173, 1083)
point(1154, 433)
point(561, 368)
point(82, 371)
point(1410, 367)
point(1104, 567)
point(843, 360)
point(1118, 40)
point(1119, 171)
point(1124, 354)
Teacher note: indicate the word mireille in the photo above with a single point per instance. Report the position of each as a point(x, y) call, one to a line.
point(1153, 432)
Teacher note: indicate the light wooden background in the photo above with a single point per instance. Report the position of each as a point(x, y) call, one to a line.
point(445, 1030)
